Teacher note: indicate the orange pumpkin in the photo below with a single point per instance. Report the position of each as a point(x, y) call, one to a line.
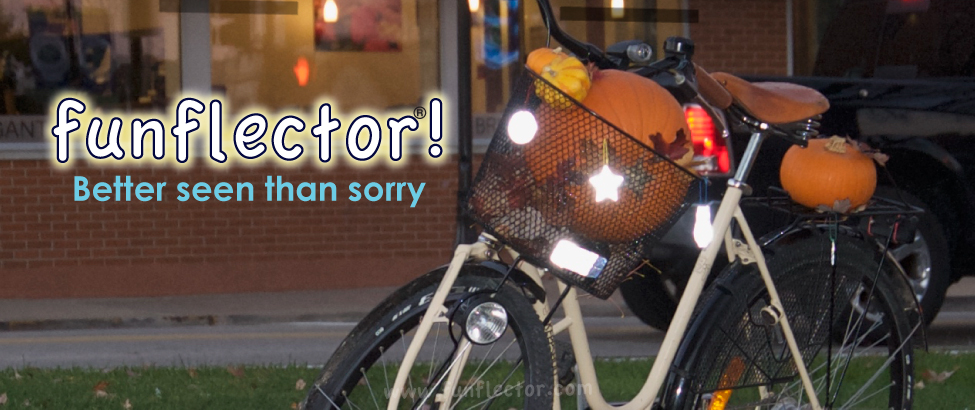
point(636, 105)
point(572, 145)
point(563, 71)
point(644, 110)
point(828, 173)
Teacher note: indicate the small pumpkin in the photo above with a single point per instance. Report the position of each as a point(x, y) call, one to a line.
point(565, 72)
point(831, 173)
point(573, 145)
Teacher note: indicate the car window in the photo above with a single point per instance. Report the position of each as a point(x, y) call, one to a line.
point(899, 39)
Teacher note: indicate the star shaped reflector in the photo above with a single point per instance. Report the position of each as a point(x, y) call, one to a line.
point(606, 184)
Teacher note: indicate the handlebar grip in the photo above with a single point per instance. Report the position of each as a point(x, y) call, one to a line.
point(712, 91)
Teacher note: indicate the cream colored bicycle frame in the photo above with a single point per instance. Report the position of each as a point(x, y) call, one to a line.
point(573, 322)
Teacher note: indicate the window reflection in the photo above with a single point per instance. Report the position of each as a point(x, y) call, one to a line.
point(376, 54)
point(123, 54)
point(504, 31)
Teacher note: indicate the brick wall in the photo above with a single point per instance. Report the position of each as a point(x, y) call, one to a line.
point(741, 36)
point(52, 246)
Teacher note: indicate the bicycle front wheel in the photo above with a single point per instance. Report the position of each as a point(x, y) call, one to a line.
point(516, 371)
point(736, 355)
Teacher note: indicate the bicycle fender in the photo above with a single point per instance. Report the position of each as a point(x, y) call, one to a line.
point(901, 282)
point(498, 269)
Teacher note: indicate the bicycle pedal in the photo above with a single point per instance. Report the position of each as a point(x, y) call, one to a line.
point(565, 361)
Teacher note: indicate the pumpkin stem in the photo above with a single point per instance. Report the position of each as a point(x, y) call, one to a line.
point(836, 144)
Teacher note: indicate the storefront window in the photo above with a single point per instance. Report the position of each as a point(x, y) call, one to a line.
point(361, 54)
point(503, 31)
point(123, 54)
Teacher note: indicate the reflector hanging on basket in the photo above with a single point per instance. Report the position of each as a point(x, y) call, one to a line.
point(606, 183)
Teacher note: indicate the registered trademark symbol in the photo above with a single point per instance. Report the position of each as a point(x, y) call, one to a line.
point(420, 112)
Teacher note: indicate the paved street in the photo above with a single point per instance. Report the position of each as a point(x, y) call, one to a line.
point(312, 342)
point(301, 343)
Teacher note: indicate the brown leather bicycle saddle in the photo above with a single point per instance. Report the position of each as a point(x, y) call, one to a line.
point(774, 103)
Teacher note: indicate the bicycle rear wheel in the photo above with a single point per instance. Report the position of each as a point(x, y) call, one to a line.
point(514, 372)
point(735, 354)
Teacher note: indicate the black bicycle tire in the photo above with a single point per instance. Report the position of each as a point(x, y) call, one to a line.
point(730, 284)
point(366, 337)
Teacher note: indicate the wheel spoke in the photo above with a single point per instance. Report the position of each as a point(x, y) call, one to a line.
point(347, 400)
point(477, 377)
point(369, 386)
point(433, 355)
point(319, 388)
point(432, 388)
point(351, 378)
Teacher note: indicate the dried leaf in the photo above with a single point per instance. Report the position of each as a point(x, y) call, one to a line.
point(294, 405)
point(17, 376)
point(3, 399)
point(932, 376)
point(192, 372)
point(300, 384)
point(919, 385)
point(127, 405)
point(236, 371)
point(842, 206)
point(880, 158)
point(101, 387)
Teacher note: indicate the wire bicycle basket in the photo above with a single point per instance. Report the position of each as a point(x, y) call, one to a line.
point(545, 196)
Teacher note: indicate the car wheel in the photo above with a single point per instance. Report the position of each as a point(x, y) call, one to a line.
point(652, 293)
point(926, 261)
point(650, 298)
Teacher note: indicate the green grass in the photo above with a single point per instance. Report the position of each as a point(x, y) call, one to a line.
point(259, 387)
point(154, 388)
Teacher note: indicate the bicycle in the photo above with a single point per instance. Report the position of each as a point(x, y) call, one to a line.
point(479, 332)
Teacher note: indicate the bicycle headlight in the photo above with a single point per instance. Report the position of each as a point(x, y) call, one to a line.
point(485, 322)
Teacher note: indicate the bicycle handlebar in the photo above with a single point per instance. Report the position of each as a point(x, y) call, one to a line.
point(584, 50)
point(676, 72)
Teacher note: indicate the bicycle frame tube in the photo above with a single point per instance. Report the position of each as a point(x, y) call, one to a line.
point(573, 322)
point(434, 312)
point(668, 349)
point(728, 210)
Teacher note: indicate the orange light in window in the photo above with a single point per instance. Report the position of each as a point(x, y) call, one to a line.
point(474, 5)
point(330, 11)
point(618, 8)
point(302, 71)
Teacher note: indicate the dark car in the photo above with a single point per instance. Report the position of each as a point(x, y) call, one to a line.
point(900, 76)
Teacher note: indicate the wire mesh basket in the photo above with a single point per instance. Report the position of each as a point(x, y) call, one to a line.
point(539, 195)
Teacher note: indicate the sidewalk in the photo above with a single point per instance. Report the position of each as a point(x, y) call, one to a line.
point(345, 305)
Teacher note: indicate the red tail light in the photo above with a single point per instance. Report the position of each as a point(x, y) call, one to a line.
point(709, 146)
